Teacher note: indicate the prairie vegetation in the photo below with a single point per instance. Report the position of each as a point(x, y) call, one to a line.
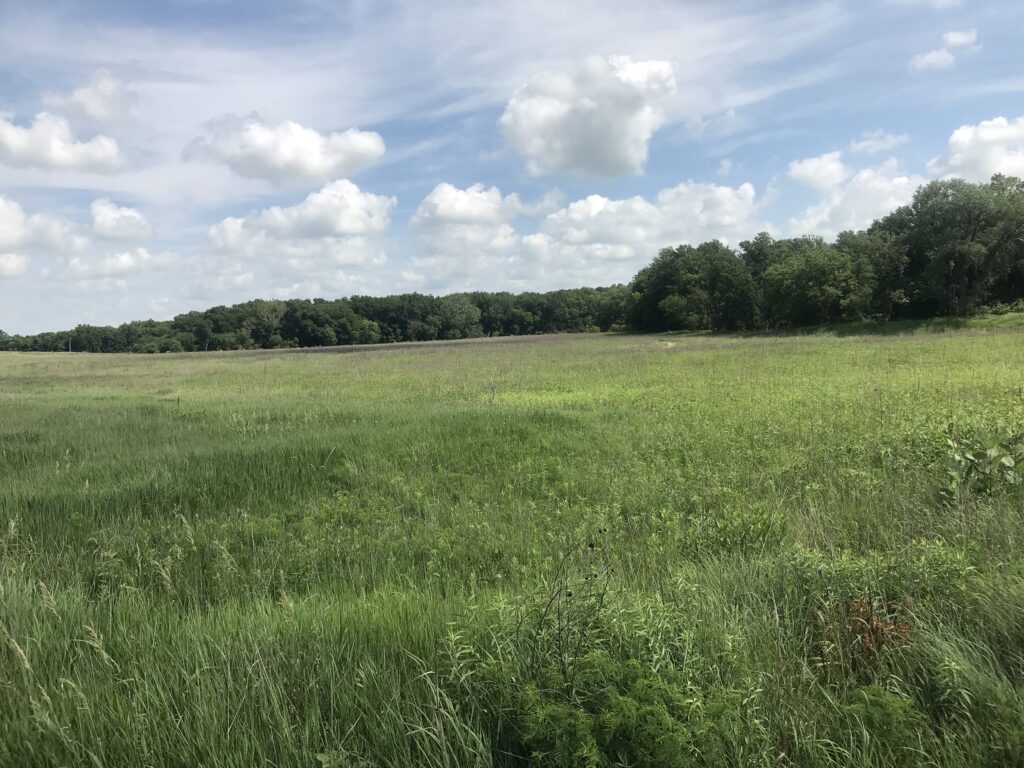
point(573, 551)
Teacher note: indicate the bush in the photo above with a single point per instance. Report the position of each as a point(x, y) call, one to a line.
point(979, 465)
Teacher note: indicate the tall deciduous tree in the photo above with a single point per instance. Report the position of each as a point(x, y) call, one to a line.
point(817, 283)
point(961, 240)
point(695, 288)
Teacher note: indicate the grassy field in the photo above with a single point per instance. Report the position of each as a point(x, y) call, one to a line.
point(572, 551)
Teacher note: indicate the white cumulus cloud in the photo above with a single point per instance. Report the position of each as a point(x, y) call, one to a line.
point(600, 240)
point(20, 230)
point(339, 209)
point(976, 152)
point(286, 152)
point(117, 263)
point(596, 121)
point(637, 228)
point(115, 222)
point(469, 239)
point(50, 144)
point(465, 230)
point(856, 199)
point(105, 98)
point(822, 173)
point(476, 204)
point(339, 221)
point(12, 264)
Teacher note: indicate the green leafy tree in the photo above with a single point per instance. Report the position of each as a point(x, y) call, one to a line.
point(309, 324)
point(760, 253)
point(459, 316)
point(262, 319)
point(816, 284)
point(887, 260)
point(695, 288)
point(962, 242)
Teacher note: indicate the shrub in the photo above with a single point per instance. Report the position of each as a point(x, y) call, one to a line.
point(979, 465)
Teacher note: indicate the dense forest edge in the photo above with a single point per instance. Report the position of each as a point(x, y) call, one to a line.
point(956, 250)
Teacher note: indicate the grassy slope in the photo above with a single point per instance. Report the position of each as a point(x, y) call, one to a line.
point(237, 560)
point(988, 322)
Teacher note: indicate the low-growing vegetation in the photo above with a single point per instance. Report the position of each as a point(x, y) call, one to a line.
point(578, 551)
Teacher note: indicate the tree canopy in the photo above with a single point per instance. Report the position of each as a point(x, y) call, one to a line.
point(956, 248)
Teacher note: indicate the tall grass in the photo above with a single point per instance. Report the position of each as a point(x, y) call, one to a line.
point(593, 551)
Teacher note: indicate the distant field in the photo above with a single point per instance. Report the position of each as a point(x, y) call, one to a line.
point(560, 551)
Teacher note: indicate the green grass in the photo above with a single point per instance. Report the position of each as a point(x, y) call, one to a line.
point(588, 550)
point(982, 322)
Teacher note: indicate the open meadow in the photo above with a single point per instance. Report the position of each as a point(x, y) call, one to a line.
point(586, 550)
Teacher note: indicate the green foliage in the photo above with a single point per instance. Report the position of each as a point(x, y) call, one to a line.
point(566, 690)
point(963, 244)
point(979, 466)
point(817, 284)
point(624, 714)
point(896, 731)
point(958, 246)
point(688, 289)
point(204, 560)
point(359, 320)
point(761, 253)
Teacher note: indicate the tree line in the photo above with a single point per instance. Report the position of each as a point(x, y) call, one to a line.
point(263, 324)
point(956, 248)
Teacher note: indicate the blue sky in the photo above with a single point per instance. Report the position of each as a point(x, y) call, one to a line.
point(162, 157)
